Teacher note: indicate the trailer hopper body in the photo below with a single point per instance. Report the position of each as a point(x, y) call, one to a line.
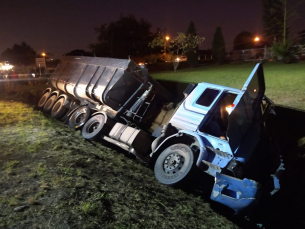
point(115, 83)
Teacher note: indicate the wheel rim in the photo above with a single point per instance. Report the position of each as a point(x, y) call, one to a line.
point(81, 116)
point(173, 163)
point(92, 127)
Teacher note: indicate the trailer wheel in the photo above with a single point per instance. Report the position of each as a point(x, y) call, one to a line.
point(79, 117)
point(43, 99)
point(59, 109)
point(94, 127)
point(47, 107)
point(174, 164)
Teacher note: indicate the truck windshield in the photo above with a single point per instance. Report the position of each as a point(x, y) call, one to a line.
point(207, 97)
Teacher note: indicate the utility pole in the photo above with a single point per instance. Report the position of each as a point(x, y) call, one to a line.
point(166, 39)
point(284, 30)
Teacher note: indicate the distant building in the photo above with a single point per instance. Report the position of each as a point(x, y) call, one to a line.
point(205, 54)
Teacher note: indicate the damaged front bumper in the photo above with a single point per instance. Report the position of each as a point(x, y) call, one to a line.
point(240, 195)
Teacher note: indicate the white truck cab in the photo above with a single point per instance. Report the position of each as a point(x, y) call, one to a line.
point(217, 129)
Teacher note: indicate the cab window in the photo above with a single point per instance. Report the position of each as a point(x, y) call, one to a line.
point(217, 122)
point(207, 97)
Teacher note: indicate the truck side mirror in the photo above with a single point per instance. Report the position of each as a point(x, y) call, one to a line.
point(189, 89)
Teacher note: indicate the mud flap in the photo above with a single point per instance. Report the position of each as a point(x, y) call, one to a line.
point(240, 195)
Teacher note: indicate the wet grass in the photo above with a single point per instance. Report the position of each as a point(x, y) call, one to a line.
point(50, 177)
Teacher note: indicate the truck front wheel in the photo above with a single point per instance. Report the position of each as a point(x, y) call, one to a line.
point(174, 164)
point(93, 127)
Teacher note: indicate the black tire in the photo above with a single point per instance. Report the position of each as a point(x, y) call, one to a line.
point(94, 127)
point(47, 107)
point(43, 99)
point(174, 164)
point(59, 109)
point(79, 117)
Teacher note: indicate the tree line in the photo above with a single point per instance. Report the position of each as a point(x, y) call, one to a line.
point(132, 37)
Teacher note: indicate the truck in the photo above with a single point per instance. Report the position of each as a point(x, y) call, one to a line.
point(213, 129)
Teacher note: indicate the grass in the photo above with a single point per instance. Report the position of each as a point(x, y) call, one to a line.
point(284, 82)
point(67, 182)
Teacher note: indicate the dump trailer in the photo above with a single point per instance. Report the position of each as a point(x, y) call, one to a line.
point(214, 129)
point(106, 91)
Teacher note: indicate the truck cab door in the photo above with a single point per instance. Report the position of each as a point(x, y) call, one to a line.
point(245, 109)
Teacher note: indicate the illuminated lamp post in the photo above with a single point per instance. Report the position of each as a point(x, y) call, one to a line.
point(166, 39)
point(44, 56)
point(256, 40)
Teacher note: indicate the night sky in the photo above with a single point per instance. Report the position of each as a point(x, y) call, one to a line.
point(58, 27)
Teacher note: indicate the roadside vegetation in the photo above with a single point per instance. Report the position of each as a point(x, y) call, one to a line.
point(284, 82)
point(50, 177)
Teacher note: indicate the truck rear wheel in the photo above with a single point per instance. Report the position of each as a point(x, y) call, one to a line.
point(59, 109)
point(94, 127)
point(43, 99)
point(47, 107)
point(174, 164)
point(79, 117)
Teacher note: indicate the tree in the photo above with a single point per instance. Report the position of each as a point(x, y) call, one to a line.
point(244, 40)
point(274, 20)
point(179, 46)
point(183, 44)
point(78, 52)
point(192, 54)
point(276, 23)
point(218, 46)
point(302, 37)
point(125, 37)
point(19, 54)
point(157, 43)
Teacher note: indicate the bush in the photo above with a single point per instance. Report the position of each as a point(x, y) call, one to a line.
point(286, 50)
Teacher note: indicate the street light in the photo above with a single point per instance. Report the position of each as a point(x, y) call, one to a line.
point(256, 40)
point(166, 38)
point(44, 57)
